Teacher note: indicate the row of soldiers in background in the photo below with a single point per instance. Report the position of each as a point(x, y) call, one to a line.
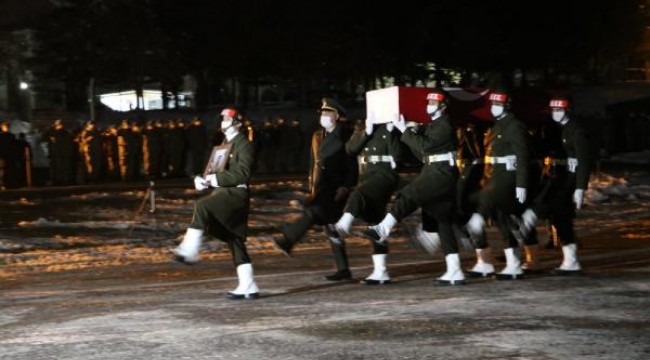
point(126, 151)
point(156, 150)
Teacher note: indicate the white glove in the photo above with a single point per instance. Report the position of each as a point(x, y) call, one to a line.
point(529, 218)
point(399, 122)
point(390, 126)
point(578, 196)
point(212, 180)
point(370, 123)
point(413, 126)
point(199, 183)
point(520, 193)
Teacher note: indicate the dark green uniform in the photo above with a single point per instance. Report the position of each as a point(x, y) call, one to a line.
point(151, 151)
point(224, 213)
point(90, 149)
point(62, 149)
point(331, 168)
point(470, 166)
point(498, 198)
point(126, 144)
point(434, 189)
point(554, 202)
point(377, 155)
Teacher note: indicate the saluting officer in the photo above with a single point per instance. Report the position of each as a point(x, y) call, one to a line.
point(224, 213)
point(504, 192)
point(568, 179)
point(333, 172)
point(378, 148)
point(434, 188)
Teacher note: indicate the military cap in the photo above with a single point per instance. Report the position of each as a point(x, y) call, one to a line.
point(439, 95)
point(234, 112)
point(560, 102)
point(332, 105)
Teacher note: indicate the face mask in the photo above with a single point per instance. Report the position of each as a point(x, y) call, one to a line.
point(227, 128)
point(326, 122)
point(496, 110)
point(558, 116)
point(431, 109)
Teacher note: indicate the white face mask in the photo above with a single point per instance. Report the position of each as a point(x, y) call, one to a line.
point(496, 110)
point(558, 115)
point(327, 122)
point(228, 128)
point(431, 109)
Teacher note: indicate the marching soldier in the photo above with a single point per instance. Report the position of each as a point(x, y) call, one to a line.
point(541, 138)
point(224, 213)
point(434, 188)
point(378, 149)
point(333, 173)
point(504, 192)
point(568, 177)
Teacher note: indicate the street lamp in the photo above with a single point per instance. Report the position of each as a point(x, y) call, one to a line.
point(26, 99)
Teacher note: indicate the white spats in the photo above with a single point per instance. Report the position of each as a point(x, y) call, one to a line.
point(379, 274)
point(476, 224)
point(454, 274)
point(513, 270)
point(188, 250)
point(570, 264)
point(384, 227)
point(344, 225)
point(484, 266)
point(428, 242)
point(247, 288)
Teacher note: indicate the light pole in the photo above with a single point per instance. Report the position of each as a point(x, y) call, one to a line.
point(26, 96)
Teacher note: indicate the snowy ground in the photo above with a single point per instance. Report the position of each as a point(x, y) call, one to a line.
point(86, 277)
point(104, 228)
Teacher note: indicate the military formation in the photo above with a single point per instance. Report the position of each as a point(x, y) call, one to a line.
point(470, 176)
point(139, 150)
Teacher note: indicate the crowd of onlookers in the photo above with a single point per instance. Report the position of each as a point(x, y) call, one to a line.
point(133, 150)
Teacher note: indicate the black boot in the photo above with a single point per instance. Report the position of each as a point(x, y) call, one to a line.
point(341, 259)
point(283, 244)
point(344, 274)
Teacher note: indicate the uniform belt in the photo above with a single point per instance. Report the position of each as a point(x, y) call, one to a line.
point(510, 161)
point(242, 186)
point(463, 162)
point(449, 157)
point(571, 163)
point(377, 158)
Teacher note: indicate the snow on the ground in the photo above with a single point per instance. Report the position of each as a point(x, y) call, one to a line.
point(103, 228)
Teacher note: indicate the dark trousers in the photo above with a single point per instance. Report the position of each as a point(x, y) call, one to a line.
point(202, 220)
point(295, 231)
point(555, 203)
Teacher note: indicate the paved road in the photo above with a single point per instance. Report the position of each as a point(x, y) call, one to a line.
point(155, 309)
